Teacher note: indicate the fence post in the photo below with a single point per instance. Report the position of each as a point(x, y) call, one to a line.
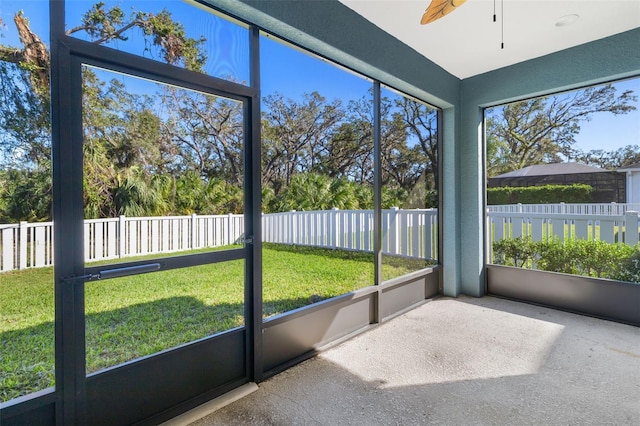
point(334, 227)
point(291, 225)
point(394, 230)
point(488, 247)
point(122, 240)
point(194, 227)
point(631, 236)
point(230, 228)
point(23, 246)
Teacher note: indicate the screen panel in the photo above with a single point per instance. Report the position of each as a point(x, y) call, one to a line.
point(180, 33)
point(26, 227)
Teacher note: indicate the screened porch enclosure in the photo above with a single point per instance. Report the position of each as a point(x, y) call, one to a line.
point(218, 190)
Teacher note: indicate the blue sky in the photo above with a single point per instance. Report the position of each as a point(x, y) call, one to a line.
point(292, 72)
point(607, 131)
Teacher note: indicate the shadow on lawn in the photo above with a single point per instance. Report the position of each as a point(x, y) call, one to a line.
point(395, 261)
point(120, 335)
point(320, 251)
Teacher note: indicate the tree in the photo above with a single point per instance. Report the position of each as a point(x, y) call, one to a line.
point(422, 123)
point(101, 25)
point(206, 132)
point(311, 146)
point(396, 165)
point(542, 130)
point(312, 191)
point(348, 152)
point(25, 195)
point(124, 143)
point(611, 160)
point(24, 120)
point(293, 133)
point(150, 148)
point(190, 194)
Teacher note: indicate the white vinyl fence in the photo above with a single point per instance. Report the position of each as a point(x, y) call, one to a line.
point(26, 245)
point(615, 209)
point(139, 236)
point(607, 227)
point(30, 245)
point(411, 233)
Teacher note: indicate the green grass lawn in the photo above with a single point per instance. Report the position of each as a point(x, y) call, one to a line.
point(130, 317)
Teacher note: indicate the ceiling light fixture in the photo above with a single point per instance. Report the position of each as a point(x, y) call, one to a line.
point(567, 20)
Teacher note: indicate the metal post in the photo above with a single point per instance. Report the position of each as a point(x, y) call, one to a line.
point(253, 216)
point(66, 140)
point(377, 195)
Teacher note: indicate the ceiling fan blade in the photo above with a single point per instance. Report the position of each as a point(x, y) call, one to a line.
point(438, 8)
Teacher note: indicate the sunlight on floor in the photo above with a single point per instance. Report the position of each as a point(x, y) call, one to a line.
point(468, 342)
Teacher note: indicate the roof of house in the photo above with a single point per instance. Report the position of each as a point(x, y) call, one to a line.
point(631, 167)
point(552, 169)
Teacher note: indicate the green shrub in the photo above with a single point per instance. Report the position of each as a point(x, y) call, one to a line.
point(599, 258)
point(579, 257)
point(557, 256)
point(514, 251)
point(576, 193)
point(629, 268)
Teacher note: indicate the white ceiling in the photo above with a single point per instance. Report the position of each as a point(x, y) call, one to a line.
point(467, 42)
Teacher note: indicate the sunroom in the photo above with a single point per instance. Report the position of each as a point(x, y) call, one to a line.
point(234, 186)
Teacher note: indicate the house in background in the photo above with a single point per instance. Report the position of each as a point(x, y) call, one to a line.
point(632, 174)
point(608, 186)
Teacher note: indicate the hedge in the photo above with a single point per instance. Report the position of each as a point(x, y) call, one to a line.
point(591, 258)
point(547, 194)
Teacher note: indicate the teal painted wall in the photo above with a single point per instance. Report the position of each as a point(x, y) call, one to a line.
point(335, 31)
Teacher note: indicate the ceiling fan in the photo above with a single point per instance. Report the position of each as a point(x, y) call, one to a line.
point(439, 8)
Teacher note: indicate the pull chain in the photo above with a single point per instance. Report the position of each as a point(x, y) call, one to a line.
point(501, 21)
point(502, 24)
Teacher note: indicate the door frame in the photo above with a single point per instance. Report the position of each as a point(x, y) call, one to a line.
point(78, 391)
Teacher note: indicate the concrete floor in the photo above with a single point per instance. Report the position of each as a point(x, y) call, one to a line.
point(460, 362)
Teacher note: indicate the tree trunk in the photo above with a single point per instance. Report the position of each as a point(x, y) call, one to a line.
point(35, 55)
